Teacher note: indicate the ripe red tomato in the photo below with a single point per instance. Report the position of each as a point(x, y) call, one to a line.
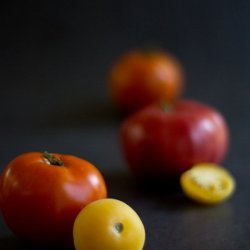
point(42, 193)
point(165, 141)
point(141, 77)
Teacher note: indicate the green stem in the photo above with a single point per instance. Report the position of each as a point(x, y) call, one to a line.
point(52, 159)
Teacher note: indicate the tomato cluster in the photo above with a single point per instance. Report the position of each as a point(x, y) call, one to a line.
point(61, 201)
point(57, 199)
point(163, 135)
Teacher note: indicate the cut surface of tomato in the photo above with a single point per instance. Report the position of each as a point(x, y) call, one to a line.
point(207, 183)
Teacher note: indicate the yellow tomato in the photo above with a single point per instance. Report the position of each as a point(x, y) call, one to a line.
point(207, 183)
point(108, 224)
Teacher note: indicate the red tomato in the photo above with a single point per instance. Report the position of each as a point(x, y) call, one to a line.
point(139, 78)
point(42, 193)
point(165, 141)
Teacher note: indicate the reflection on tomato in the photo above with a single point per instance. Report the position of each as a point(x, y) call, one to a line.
point(207, 183)
point(141, 77)
point(164, 141)
point(42, 193)
point(108, 224)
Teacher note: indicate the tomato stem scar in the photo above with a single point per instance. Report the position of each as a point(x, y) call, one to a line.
point(119, 227)
point(165, 106)
point(52, 159)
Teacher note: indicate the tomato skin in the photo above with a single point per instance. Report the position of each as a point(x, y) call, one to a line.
point(108, 224)
point(139, 78)
point(165, 143)
point(39, 201)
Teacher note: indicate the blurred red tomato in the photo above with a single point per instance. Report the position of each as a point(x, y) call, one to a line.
point(164, 141)
point(140, 77)
point(42, 193)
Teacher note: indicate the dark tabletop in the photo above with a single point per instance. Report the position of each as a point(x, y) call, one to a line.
point(54, 59)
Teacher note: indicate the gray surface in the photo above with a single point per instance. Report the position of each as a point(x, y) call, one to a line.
point(171, 221)
point(54, 60)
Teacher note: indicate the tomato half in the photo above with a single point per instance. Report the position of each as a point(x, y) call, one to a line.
point(207, 183)
point(42, 193)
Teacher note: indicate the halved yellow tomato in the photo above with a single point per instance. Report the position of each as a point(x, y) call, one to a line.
point(207, 183)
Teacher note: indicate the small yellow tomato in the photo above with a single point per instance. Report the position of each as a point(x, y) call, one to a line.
point(207, 183)
point(108, 224)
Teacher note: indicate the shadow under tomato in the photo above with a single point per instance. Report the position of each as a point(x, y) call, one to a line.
point(13, 243)
point(163, 193)
point(125, 179)
point(157, 194)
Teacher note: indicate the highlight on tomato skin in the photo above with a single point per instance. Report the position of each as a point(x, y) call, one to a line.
point(208, 183)
point(42, 193)
point(138, 78)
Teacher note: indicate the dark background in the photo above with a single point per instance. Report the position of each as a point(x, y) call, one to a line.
point(54, 60)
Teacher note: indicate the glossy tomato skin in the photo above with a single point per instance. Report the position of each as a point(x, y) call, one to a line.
point(40, 201)
point(139, 78)
point(115, 224)
point(164, 142)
